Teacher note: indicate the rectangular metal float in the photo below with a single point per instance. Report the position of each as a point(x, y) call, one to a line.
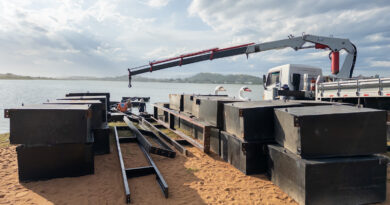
point(224, 145)
point(159, 113)
point(252, 120)
point(108, 102)
point(47, 162)
point(188, 101)
point(97, 107)
point(215, 140)
point(327, 131)
point(176, 102)
point(248, 157)
point(347, 180)
point(50, 124)
point(101, 144)
point(102, 98)
point(211, 109)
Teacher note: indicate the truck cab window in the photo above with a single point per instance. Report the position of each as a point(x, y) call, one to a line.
point(273, 78)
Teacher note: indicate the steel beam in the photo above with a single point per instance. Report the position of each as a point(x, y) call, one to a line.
point(163, 145)
point(182, 135)
point(146, 144)
point(122, 164)
point(218, 54)
point(139, 171)
point(158, 133)
point(205, 147)
point(160, 179)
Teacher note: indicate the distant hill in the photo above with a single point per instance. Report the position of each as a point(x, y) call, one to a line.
point(11, 76)
point(198, 78)
point(206, 78)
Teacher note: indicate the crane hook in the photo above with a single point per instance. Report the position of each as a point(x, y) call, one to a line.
point(129, 78)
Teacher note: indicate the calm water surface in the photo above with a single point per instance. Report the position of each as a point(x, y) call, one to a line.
point(15, 92)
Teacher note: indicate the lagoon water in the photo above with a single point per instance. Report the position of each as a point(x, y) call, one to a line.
point(15, 92)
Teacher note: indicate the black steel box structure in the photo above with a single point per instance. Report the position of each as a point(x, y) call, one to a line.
point(224, 145)
point(328, 131)
point(176, 102)
point(102, 98)
point(101, 144)
point(190, 129)
point(114, 117)
point(346, 180)
point(159, 113)
point(188, 100)
point(248, 157)
point(210, 109)
point(97, 107)
point(50, 124)
point(215, 141)
point(187, 103)
point(252, 120)
point(47, 162)
point(108, 102)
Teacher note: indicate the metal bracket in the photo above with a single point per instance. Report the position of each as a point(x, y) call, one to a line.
point(357, 88)
point(240, 113)
point(6, 113)
point(380, 87)
point(296, 122)
point(338, 88)
point(244, 148)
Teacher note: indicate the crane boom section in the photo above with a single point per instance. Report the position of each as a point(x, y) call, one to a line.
point(333, 44)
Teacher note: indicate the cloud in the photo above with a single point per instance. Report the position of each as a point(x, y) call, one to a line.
point(380, 63)
point(157, 3)
point(105, 37)
point(363, 22)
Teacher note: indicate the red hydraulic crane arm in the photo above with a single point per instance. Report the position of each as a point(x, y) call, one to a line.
point(296, 43)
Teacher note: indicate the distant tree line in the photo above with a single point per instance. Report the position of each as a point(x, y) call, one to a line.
point(212, 78)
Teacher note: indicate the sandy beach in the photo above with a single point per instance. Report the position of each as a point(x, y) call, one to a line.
point(197, 179)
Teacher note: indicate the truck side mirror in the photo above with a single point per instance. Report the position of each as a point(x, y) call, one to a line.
point(264, 82)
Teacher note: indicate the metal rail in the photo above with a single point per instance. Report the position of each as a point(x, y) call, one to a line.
point(138, 171)
point(165, 150)
point(159, 133)
point(184, 136)
point(205, 147)
point(374, 87)
point(122, 164)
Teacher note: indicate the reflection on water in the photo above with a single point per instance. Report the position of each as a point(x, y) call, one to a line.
point(15, 92)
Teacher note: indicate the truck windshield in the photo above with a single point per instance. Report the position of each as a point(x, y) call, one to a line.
point(273, 78)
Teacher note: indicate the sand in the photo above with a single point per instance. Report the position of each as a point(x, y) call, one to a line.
point(197, 179)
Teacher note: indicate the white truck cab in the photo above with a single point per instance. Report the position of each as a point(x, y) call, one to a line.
point(293, 77)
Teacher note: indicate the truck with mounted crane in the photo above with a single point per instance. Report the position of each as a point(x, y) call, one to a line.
point(298, 81)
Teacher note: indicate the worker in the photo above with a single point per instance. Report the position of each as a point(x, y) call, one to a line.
point(129, 104)
point(122, 107)
point(141, 107)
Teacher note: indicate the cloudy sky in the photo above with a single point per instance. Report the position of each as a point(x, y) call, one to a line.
point(103, 38)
